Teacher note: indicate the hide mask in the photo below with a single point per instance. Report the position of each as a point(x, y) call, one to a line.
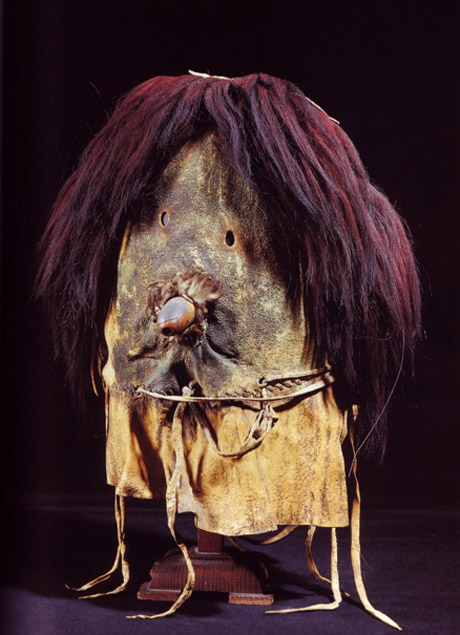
point(262, 294)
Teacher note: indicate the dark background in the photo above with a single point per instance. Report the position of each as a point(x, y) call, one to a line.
point(389, 72)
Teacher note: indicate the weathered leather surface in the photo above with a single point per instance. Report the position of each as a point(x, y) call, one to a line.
point(296, 476)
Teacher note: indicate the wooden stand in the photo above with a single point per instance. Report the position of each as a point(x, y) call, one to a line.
point(237, 573)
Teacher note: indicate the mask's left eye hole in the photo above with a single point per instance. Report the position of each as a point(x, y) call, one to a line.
point(230, 238)
point(164, 219)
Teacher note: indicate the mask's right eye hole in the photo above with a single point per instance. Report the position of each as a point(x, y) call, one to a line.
point(230, 238)
point(164, 219)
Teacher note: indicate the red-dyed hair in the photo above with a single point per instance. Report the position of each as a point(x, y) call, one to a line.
point(359, 276)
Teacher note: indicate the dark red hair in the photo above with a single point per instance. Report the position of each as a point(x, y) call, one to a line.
point(357, 268)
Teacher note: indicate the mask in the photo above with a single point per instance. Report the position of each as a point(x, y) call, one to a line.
point(229, 392)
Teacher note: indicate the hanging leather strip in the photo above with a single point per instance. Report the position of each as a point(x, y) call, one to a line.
point(334, 582)
point(179, 473)
point(120, 557)
point(356, 547)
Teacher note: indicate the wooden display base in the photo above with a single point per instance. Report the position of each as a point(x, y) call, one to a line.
point(237, 573)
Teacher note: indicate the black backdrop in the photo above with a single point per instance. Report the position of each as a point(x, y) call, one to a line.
point(388, 72)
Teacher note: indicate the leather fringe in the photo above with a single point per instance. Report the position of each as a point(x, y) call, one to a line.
point(171, 507)
point(180, 472)
point(120, 558)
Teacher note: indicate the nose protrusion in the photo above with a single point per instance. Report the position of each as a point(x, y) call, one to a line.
point(175, 316)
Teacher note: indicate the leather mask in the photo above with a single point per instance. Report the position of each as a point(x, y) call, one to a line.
point(236, 208)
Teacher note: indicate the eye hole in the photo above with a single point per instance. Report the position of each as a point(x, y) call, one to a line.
point(164, 219)
point(230, 238)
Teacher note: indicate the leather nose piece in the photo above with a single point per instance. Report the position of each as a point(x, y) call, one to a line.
point(175, 316)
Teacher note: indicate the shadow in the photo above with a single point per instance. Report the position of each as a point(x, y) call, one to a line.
point(70, 543)
point(52, 546)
